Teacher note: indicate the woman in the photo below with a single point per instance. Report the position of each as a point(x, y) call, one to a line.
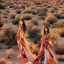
point(22, 43)
point(45, 56)
point(21, 31)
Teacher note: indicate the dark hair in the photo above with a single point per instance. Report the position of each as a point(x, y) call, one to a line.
point(47, 30)
point(24, 26)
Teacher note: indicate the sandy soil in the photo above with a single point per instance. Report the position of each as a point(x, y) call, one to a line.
point(15, 60)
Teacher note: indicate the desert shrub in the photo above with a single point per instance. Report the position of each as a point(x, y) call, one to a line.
point(16, 7)
point(59, 49)
point(23, 6)
point(16, 20)
point(10, 35)
point(42, 17)
point(37, 3)
point(18, 11)
point(11, 38)
point(59, 16)
point(35, 48)
point(33, 7)
point(42, 12)
point(54, 34)
point(27, 16)
point(31, 11)
point(59, 24)
point(50, 19)
point(5, 27)
point(34, 34)
point(3, 61)
point(12, 16)
point(2, 36)
point(1, 23)
point(35, 22)
point(55, 8)
point(61, 11)
point(52, 10)
point(62, 32)
point(9, 52)
point(0, 12)
point(2, 6)
point(12, 6)
point(44, 9)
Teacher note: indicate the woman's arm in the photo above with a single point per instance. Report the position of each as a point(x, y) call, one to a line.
point(18, 39)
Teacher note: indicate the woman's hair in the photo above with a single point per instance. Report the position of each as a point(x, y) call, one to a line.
point(47, 30)
point(24, 26)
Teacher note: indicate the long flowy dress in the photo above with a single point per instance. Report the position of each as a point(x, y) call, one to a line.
point(46, 56)
point(25, 52)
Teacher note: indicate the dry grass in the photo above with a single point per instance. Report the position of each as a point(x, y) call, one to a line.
point(1, 23)
point(27, 16)
point(35, 22)
point(2, 6)
point(3, 61)
point(50, 19)
point(18, 11)
point(59, 49)
point(56, 33)
point(42, 11)
point(59, 24)
point(9, 52)
point(5, 27)
point(2, 34)
point(59, 16)
point(61, 11)
point(31, 11)
point(12, 15)
point(16, 20)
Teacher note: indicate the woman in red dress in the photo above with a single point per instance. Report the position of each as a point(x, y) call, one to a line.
point(46, 56)
point(22, 44)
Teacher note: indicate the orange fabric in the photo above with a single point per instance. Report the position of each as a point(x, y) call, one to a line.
point(51, 61)
point(25, 61)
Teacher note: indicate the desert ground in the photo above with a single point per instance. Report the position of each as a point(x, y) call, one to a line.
point(37, 14)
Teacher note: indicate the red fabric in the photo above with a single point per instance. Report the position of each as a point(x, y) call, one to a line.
point(18, 36)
